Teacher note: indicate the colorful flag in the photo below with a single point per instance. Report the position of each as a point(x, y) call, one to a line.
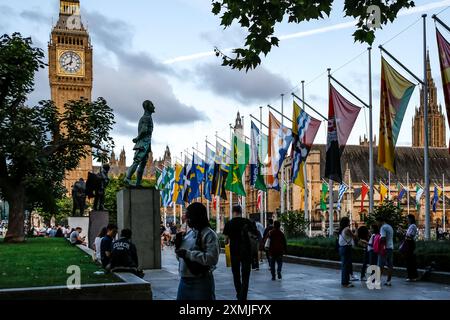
point(419, 193)
point(209, 173)
point(323, 196)
point(219, 180)
point(256, 177)
point(364, 192)
point(396, 92)
point(259, 200)
point(342, 189)
point(168, 187)
point(240, 159)
point(444, 59)
point(401, 192)
point(280, 138)
point(304, 131)
point(437, 194)
point(195, 176)
point(383, 192)
point(178, 184)
point(342, 115)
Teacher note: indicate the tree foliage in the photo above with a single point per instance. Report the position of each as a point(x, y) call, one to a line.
point(39, 144)
point(391, 213)
point(294, 223)
point(259, 18)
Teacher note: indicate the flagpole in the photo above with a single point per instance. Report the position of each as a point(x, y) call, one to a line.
point(425, 120)
point(244, 198)
point(282, 166)
point(443, 202)
point(330, 187)
point(407, 189)
point(259, 163)
point(305, 172)
point(389, 185)
point(371, 169)
point(231, 194)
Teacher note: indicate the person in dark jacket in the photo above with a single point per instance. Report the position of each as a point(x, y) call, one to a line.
point(264, 239)
point(124, 256)
point(277, 249)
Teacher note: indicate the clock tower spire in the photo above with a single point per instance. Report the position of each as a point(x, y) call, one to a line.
point(70, 69)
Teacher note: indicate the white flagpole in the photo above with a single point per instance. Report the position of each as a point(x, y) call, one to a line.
point(244, 178)
point(371, 169)
point(258, 163)
point(443, 202)
point(174, 213)
point(165, 217)
point(305, 173)
point(218, 214)
point(282, 166)
point(389, 185)
point(231, 157)
point(330, 191)
point(425, 120)
point(407, 190)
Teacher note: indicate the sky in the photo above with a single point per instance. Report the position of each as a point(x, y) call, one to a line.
point(162, 51)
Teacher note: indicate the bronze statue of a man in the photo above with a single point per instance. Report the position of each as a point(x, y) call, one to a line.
point(143, 144)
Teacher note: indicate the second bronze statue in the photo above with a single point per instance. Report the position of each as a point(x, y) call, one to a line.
point(143, 144)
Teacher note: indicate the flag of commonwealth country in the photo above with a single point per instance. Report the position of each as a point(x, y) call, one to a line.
point(240, 158)
point(396, 92)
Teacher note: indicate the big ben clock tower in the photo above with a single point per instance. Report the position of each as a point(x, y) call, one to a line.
point(70, 69)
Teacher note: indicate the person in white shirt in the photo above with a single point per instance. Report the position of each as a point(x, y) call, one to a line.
point(97, 243)
point(346, 243)
point(387, 241)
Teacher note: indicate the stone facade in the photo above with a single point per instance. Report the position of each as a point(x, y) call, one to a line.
point(436, 119)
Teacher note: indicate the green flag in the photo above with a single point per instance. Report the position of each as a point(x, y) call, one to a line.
point(323, 197)
point(240, 158)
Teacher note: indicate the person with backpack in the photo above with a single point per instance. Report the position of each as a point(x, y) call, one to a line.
point(374, 234)
point(345, 243)
point(277, 247)
point(240, 234)
point(198, 252)
point(386, 249)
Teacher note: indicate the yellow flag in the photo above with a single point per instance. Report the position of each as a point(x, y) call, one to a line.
point(383, 192)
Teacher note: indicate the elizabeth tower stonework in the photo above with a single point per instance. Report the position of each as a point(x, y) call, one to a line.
point(70, 69)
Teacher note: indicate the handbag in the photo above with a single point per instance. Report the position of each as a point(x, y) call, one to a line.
point(404, 247)
point(267, 244)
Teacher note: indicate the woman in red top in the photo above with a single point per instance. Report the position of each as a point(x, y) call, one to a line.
point(277, 249)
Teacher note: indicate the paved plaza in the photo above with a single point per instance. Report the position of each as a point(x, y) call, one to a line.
point(300, 282)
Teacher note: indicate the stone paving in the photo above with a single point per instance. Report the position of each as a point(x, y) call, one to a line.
point(300, 282)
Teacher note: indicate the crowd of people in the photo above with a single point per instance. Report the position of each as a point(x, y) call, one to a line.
point(197, 249)
point(378, 244)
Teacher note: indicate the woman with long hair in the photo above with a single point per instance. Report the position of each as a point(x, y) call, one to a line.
point(97, 243)
point(346, 242)
point(198, 253)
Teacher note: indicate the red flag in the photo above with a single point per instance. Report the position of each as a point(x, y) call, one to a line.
point(259, 201)
point(342, 115)
point(444, 58)
point(215, 203)
point(364, 192)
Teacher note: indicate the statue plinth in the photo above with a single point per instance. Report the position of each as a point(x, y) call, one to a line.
point(97, 221)
point(138, 209)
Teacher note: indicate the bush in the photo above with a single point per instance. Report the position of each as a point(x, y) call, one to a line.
point(391, 213)
point(294, 223)
point(323, 248)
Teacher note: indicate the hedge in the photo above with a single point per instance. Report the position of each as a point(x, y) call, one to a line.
point(322, 248)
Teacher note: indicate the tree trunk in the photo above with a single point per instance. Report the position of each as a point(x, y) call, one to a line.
point(16, 228)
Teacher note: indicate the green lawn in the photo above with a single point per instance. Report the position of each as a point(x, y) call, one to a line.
point(43, 262)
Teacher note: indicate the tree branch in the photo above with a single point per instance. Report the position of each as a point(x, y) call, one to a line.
point(60, 146)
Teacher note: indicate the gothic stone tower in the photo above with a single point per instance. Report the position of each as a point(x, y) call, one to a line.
point(70, 69)
point(436, 120)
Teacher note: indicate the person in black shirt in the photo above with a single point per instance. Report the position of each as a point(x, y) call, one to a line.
point(106, 245)
point(240, 251)
point(266, 234)
point(124, 255)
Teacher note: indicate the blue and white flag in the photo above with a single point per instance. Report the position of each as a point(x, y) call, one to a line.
point(342, 189)
point(209, 173)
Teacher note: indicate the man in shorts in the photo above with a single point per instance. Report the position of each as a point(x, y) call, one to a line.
point(387, 241)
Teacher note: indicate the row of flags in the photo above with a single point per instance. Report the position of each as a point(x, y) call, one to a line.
point(223, 169)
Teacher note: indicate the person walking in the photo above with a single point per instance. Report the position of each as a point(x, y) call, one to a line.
point(387, 243)
point(237, 232)
point(266, 233)
point(409, 244)
point(346, 242)
point(197, 251)
point(277, 248)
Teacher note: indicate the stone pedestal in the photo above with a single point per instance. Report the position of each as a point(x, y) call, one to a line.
point(138, 209)
point(97, 221)
point(82, 222)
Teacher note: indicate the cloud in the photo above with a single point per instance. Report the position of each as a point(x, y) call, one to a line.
point(259, 85)
point(35, 15)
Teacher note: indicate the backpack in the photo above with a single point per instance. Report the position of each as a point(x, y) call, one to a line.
point(377, 247)
point(249, 240)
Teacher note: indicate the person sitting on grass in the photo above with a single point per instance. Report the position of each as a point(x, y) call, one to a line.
point(75, 237)
point(124, 255)
point(106, 245)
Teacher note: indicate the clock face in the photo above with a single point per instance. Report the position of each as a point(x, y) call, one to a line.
point(70, 62)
